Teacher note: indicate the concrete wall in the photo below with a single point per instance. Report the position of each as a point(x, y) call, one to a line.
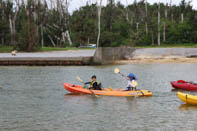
point(106, 55)
point(51, 61)
point(70, 57)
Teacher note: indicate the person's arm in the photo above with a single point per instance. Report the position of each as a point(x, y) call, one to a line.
point(129, 84)
point(87, 82)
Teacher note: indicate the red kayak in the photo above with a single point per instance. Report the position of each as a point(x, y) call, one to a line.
point(181, 84)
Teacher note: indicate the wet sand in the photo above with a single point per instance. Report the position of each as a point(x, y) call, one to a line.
point(157, 60)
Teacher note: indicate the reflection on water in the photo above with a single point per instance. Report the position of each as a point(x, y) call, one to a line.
point(186, 107)
point(175, 90)
point(33, 98)
point(72, 94)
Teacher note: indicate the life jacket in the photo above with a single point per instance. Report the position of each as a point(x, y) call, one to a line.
point(98, 87)
point(92, 83)
point(134, 83)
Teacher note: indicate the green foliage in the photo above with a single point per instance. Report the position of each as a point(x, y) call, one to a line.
point(118, 25)
point(5, 49)
point(179, 33)
point(83, 25)
point(22, 36)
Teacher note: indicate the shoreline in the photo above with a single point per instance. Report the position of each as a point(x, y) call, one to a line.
point(158, 61)
point(102, 56)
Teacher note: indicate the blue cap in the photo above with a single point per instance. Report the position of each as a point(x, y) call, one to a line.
point(131, 75)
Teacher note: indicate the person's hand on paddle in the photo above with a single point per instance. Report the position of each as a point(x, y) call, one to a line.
point(132, 83)
point(78, 78)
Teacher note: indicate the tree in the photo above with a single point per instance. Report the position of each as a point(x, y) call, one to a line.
point(182, 8)
point(62, 7)
point(171, 11)
point(99, 6)
point(164, 23)
point(158, 37)
point(31, 24)
point(146, 23)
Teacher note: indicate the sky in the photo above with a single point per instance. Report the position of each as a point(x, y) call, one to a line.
point(76, 4)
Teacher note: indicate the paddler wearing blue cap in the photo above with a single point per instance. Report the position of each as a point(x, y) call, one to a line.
point(132, 82)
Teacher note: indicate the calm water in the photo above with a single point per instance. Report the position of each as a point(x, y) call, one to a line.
point(33, 98)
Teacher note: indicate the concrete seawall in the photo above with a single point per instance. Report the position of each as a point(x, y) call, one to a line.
point(107, 55)
point(140, 55)
point(75, 57)
point(46, 61)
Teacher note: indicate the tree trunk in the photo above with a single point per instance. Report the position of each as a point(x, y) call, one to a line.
point(88, 40)
point(182, 17)
point(164, 31)
point(137, 26)
point(63, 37)
point(166, 11)
point(53, 43)
point(146, 28)
point(14, 31)
point(28, 28)
point(62, 17)
point(99, 22)
point(164, 24)
point(51, 4)
point(146, 24)
point(111, 12)
point(172, 17)
point(59, 7)
point(152, 33)
point(136, 14)
point(42, 36)
point(171, 11)
point(2, 40)
point(11, 29)
point(158, 39)
point(31, 31)
point(12, 24)
point(127, 12)
point(68, 37)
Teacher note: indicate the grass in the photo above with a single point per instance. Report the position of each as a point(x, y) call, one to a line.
point(6, 49)
point(62, 49)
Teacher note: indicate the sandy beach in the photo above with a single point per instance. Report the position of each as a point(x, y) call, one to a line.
point(157, 60)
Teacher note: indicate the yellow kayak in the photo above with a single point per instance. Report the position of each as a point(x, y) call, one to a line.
point(187, 98)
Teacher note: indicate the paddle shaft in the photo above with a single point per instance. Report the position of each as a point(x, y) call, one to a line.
point(117, 70)
point(122, 75)
point(85, 84)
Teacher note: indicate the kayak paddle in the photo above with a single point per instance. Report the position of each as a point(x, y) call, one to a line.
point(117, 71)
point(78, 78)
